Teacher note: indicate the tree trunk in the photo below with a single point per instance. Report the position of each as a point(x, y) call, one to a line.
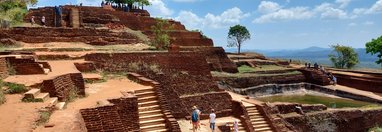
point(238, 48)
point(130, 6)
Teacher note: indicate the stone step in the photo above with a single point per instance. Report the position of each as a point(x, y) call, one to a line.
point(263, 129)
point(150, 117)
point(260, 125)
point(146, 99)
point(42, 97)
point(31, 94)
point(251, 108)
point(150, 112)
point(46, 70)
point(258, 119)
point(144, 90)
point(259, 122)
point(148, 103)
point(149, 108)
point(60, 105)
point(151, 122)
point(253, 113)
point(52, 101)
point(159, 130)
point(153, 127)
point(145, 94)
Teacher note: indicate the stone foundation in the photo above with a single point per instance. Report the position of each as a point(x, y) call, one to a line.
point(62, 86)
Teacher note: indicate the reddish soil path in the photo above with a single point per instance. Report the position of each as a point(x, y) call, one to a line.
point(70, 119)
point(17, 116)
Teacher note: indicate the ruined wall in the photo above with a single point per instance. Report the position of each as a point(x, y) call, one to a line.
point(86, 35)
point(102, 119)
point(337, 120)
point(216, 58)
point(61, 86)
point(24, 65)
point(85, 67)
point(3, 68)
point(127, 108)
point(245, 82)
point(184, 77)
point(315, 76)
point(370, 83)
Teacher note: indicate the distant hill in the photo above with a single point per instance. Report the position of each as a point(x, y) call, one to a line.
point(315, 54)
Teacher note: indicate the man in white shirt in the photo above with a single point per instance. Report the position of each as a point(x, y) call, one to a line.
point(212, 120)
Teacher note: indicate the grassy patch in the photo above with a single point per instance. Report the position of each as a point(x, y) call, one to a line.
point(245, 68)
point(238, 75)
point(90, 81)
point(44, 117)
point(73, 94)
point(375, 129)
point(15, 88)
point(2, 97)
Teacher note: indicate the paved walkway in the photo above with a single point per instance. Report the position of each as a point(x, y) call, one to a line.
point(356, 91)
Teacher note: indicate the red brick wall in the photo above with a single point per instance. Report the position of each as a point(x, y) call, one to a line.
point(315, 76)
point(85, 67)
point(372, 84)
point(61, 86)
point(25, 66)
point(245, 82)
point(185, 78)
point(86, 35)
point(121, 115)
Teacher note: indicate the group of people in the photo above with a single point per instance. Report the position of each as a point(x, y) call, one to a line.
point(195, 120)
point(42, 21)
point(332, 78)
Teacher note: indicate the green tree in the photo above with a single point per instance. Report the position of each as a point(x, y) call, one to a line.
point(237, 35)
point(343, 56)
point(143, 3)
point(375, 47)
point(13, 11)
point(161, 38)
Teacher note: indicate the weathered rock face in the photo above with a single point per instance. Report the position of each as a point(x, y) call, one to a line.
point(337, 121)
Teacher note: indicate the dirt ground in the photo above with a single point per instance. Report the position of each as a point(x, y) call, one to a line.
point(186, 126)
point(69, 119)
point(17, 116)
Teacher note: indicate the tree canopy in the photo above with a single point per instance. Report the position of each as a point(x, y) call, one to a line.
point(237, 35)
point(13, 11)
point(375, 47)
point(131, 2)
point(343, 56)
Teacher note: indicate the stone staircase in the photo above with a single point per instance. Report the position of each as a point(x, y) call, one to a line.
point(35, 95)
point(241, 127)
point(151, 118)
point(258, 121)
point(75, 18)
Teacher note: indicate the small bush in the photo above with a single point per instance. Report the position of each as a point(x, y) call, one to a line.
point(161, 38)
point(15, 88)
point(2, 97)
point(73, 94)
point(44, 117)
point(11, 70)
point(375, 129)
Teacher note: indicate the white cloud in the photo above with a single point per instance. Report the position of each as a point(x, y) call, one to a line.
point(186, 0)
point(352, 24)
point(375, 8)
point(159, 9)
point(328, 11)
point(268, 7)
point(225, 19)
point(368, 23)
point(343, 3)
point(297, 13)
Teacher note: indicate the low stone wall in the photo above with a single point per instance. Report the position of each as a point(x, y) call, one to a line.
point(285, 108)
point(245, 82)
point(25, 65)
point(86, 35)
point(270, 89)
point(61, 86)
point(85, 67)
point(337, 120)
point(315, 76)
point(369, 82)
point(121, 115)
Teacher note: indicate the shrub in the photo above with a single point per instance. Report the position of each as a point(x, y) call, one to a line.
point(73, 94)
point(375, 129)
point(161, 38)
point(11, 70)
point(15, 88)
point(44, 117)
point(2, 97)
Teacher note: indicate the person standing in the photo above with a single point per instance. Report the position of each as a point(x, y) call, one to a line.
point(212, 120)
point(43, 21)
point(194, 118)
point(236, 126)
point(32, 20)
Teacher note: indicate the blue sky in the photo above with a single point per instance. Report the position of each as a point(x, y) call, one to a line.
point(273, 24)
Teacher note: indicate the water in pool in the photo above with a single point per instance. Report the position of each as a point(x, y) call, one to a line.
point(330, 102)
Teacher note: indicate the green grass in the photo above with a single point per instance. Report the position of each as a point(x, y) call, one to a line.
point(245, 68)
point(375, 129)
point(44, 117)
point(2, 97)
point(15, 88)
point(313, 99)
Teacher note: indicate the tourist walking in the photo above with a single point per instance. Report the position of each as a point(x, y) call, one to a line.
point(236, 126)
point(194, 118)
point(32, 20)
point(212, 120)
point(43, 21)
